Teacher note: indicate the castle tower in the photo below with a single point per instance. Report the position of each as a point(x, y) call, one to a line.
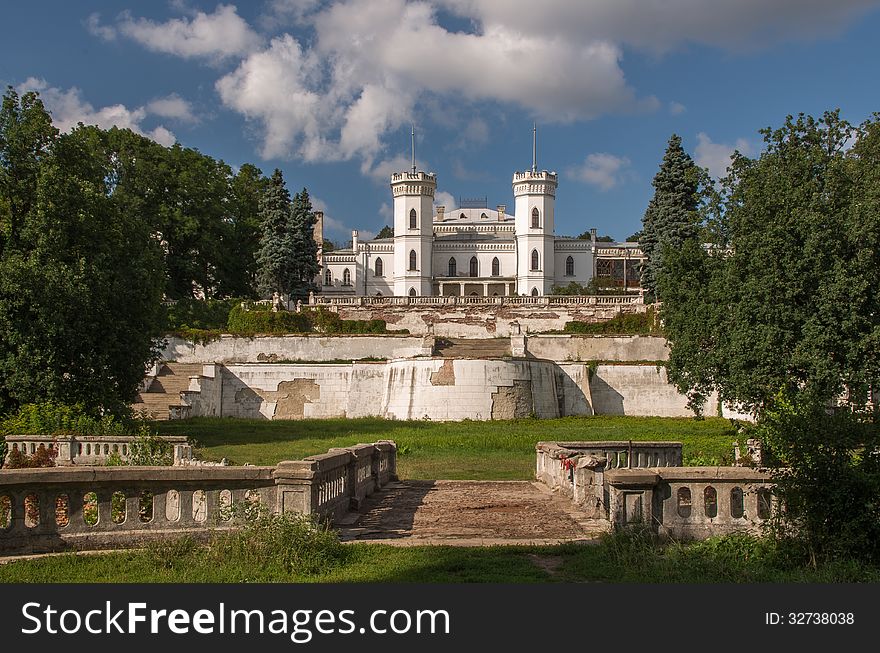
point(413, 193)
point(535, 196)
point(535, 193)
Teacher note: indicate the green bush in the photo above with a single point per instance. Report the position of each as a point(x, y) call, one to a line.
point(622, 324)
point(42, 457)
point(199, 314)
point(49, 418)
point(252, 322)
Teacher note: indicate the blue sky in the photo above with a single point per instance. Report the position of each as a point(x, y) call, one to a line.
point(326, 91)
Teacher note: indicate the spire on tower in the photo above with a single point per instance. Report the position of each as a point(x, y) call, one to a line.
point(535, 147)
point(413, 147)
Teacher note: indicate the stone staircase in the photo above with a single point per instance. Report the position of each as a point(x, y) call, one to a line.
point(165, 388)
point(472, 348)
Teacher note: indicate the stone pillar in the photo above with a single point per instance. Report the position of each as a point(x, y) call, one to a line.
point(294, 486)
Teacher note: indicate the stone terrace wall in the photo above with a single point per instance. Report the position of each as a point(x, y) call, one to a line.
point(482, 320)
point(597, 348)
point(270, 349)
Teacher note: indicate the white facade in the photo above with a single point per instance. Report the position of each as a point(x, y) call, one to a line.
point(464, 251)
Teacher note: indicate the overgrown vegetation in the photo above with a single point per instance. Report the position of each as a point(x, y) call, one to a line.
point(621, 324)
point(290, 549)
point(244, 321)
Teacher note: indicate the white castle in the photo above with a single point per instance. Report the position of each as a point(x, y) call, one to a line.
point(473, 250)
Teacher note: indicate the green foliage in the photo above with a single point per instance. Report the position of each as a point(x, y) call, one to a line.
point(73, 328)
point(593, 287)
point(386, 232)
point(148, 449)
point(304, 266)
point(50, 418)
point(828, 477)
point(621, 324)
point(276, 245)
point(294, 542)
point(251, 322)
point(199, 314)
point(672, 216)
point(572, 288)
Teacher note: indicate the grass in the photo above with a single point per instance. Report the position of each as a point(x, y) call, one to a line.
point(616, 559)
point(497, 450)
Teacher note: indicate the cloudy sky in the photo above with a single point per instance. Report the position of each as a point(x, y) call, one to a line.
point(327, 91)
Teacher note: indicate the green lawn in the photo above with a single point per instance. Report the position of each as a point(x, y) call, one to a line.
point(498, 450)
point(601, 562)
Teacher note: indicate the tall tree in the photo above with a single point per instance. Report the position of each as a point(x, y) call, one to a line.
point(784, 319)
point(277, 249)
point(672, 214)
point(26, 136)
point(305, 264)
point(80, 292)
point(386, 232)
point(243, 239)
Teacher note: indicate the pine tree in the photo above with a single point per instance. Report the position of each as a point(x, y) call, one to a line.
point(304, 265)
point(672, 215)
point(276, 254)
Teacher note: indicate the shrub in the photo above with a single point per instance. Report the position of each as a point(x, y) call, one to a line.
point(42, 457)
point(252, 322)
point(199, 314)
point(621, 324)
point(51, 418)
point(149, 449)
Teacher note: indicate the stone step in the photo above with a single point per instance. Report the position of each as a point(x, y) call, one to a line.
point(164, 390)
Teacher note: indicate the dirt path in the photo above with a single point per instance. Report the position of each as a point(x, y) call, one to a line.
point(467, 513)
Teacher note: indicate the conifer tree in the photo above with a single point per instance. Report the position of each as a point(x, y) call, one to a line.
point(304, 265)
point(276, 254)
point(672, 215)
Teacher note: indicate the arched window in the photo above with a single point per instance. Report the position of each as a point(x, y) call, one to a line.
point(483, 216)
point(534, 292)
point(380, 268)
point(412, 259)
point(413, 219)
point(412, 292)
point(684, 502)
point(328, 277)
point(346, 277)
point(496, 267)
point(710, 501)
point(536, 218)
point(535, 260)
point(569, 267)
point(475, 268)
point(453, 270)
point(737, 504)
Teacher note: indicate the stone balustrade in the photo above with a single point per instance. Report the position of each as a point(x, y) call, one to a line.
point(453, 300)
point(643, 482)
point(95, 507)
point(691, 502)
point(90, 449)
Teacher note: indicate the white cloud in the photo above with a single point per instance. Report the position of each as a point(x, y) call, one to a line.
point(68, 108)
point(601, 169)
point(95, 28)
point(716, 156)
point(217, 35)
point(173, 107)
point(442, 198)
point(360, 70)
point(659, 25)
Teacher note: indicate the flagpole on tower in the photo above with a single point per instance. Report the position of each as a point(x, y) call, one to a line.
point(413, 147)
point(535, 147)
